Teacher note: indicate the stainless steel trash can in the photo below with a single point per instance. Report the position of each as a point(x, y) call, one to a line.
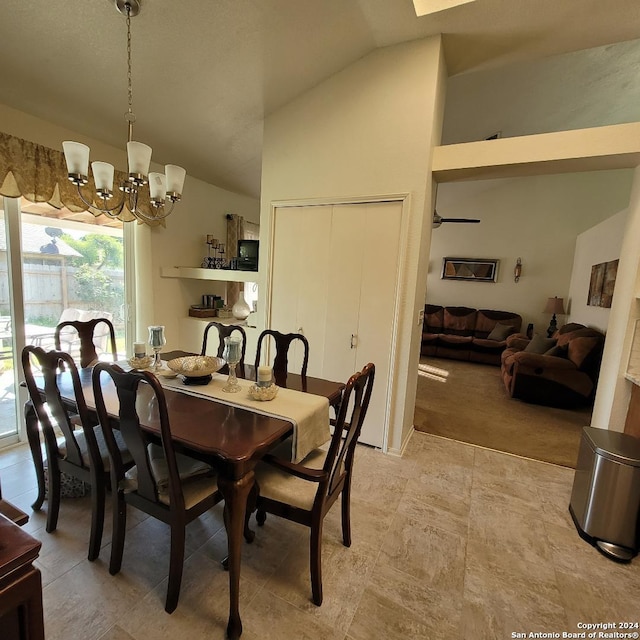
point(605, 500)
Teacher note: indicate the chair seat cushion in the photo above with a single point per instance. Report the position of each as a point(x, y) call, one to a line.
point(198, 479)
point(281, 486)
point(102, 446)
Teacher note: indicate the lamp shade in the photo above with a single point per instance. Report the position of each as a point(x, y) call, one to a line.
point(102, 175)
point(77, 156)
point(139, 156)
point(157, 189)
point(175, 178)
point(555, 305)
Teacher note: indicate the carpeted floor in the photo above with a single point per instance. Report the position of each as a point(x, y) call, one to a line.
point(472, 406)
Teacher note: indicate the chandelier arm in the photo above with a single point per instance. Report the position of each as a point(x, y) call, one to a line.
point(112, 212)
point(147, 218)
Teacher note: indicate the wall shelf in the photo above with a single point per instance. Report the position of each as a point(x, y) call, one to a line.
point(220, 275)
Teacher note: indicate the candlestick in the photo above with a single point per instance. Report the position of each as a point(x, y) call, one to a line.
point(232, 355)
point(157, 341)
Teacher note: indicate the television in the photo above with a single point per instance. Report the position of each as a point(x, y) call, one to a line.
point(248, 255)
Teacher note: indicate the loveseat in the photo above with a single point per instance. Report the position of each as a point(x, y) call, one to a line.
point(557, 372)
point(464, 333)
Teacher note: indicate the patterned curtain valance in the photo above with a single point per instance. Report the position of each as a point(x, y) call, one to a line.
point(40, 175)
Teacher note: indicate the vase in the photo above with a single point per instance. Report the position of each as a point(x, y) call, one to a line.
point(241, 309)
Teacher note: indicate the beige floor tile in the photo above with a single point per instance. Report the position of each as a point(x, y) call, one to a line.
point(116, 633)
point(86, 601)
point(590, 600)
point(344, 576)
point(425, 552)
point(429, 451)
point(435, 504)
point(369, 525)
point(495, 606)
point(203, 608)
point(378, 616)
point(270, 618)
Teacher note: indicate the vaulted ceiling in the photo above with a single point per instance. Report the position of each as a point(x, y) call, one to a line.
point(206, 72)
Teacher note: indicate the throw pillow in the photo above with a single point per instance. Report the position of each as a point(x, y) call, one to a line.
point(540, 344)
point(500, 332)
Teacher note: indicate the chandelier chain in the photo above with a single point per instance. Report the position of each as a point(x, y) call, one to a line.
point(131, 115)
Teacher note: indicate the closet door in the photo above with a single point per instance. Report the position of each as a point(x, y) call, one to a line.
point(376, 315)
point(346, 250)
point(299, 291)
point(334, 277)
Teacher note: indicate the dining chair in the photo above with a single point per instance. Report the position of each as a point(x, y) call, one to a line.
point(81, 451)
point(224, 331)
point(88, 338)
point(282, 342)
point(172, 487)
point(305, 492)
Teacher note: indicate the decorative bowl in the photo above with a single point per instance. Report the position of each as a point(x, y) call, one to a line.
point(196, 366)
point(141, 363)
point(263, 393)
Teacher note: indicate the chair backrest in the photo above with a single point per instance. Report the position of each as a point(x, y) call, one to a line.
point(91, 339)
point(127, 385)
point(224, 331)
point(348, 424)
point(50, 363)
point(283, 342)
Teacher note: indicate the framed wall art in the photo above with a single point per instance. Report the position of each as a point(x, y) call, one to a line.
point(602, 284)
point(472, 269)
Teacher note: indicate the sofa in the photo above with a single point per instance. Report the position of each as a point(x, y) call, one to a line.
point(463, 333)
point(557, 372)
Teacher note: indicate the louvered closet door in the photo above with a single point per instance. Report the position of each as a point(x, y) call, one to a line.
point(299, 291)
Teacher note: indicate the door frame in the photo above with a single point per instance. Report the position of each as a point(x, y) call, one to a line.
point(404, 199)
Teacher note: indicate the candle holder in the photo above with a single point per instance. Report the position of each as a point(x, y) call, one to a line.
point(231, 355)
point(156, 342)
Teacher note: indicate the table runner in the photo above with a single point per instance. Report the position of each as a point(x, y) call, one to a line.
point(308, 413)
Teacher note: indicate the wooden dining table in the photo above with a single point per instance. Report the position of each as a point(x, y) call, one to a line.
point(231, 439)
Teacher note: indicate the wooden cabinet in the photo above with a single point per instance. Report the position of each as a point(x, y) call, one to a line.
point(21, 616)
point(334, 278)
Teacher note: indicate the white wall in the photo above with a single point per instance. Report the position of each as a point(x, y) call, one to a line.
point(534, 218)
point(367, 131)
point(182, 243)
point(576, 90)
point(601, 243)
point(612, 397)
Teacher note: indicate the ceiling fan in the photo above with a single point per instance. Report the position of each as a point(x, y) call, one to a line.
point(438, 220)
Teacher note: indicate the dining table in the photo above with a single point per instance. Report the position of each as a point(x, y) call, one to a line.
point(231, 438)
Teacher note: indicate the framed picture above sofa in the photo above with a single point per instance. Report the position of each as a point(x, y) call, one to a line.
point(476, 269)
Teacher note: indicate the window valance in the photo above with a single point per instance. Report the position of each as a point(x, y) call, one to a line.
point(39, 174)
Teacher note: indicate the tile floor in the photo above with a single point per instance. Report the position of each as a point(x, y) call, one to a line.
point(449, 542)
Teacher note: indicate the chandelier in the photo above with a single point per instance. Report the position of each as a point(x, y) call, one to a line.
point(162, 186)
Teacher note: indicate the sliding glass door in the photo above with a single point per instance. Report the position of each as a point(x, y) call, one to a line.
point(54, 265)
point(8, 388)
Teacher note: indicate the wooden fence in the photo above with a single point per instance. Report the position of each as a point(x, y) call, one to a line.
point(50, 288)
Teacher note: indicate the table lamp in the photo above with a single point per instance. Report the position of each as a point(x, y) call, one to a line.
point(554, 305)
